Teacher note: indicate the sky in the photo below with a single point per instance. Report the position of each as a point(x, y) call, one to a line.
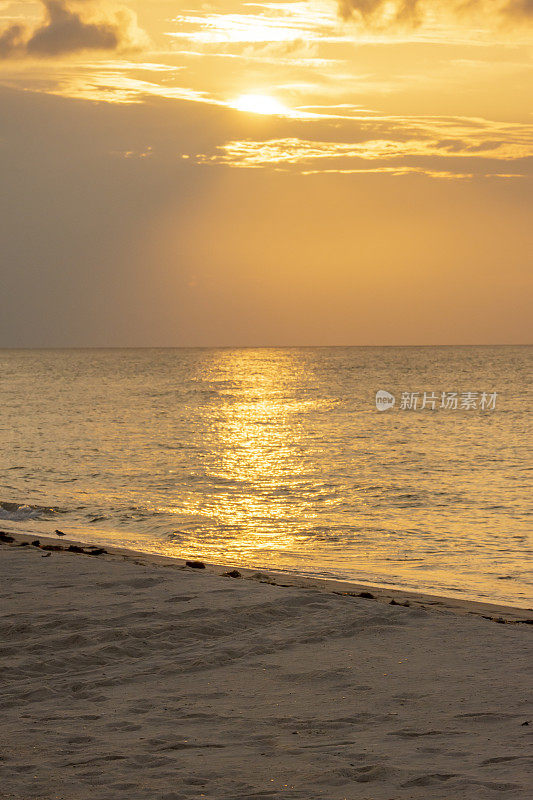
point(320, 172)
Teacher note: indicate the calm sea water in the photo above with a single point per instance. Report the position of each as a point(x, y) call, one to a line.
point(278, 458)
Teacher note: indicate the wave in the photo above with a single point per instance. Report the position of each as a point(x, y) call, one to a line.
point(20, 512)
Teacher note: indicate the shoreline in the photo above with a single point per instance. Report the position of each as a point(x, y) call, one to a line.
point(385, 595)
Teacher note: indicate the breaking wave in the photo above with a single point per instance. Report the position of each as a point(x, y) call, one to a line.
point(20, 512)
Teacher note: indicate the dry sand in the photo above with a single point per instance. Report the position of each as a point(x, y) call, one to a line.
point(128, 677)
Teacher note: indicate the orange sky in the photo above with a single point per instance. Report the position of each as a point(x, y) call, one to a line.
point(265, 173)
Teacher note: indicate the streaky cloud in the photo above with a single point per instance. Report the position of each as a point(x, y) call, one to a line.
point(431, 146)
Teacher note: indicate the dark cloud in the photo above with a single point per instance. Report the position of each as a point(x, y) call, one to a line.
point(519, 9)
point(12, 39)
point(400, 11)
point(391, 13)
point(70, 26)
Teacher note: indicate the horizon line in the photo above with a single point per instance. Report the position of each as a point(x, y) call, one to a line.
point(253, 346)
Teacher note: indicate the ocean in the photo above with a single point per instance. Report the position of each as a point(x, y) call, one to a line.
point(279, 459)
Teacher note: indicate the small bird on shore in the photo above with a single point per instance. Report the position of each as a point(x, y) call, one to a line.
point(59, 533)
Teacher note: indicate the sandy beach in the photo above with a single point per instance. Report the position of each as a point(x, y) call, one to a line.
point(130, 676)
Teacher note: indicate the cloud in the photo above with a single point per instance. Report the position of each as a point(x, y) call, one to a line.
point(520, 9)
point(71, 26)
point(12, 40)
point(438, 147)
point(411, 13)
point(382, 11)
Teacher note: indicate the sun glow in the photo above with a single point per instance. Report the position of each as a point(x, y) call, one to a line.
point(260, 104)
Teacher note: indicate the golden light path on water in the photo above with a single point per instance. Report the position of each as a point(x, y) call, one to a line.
point(259, 443)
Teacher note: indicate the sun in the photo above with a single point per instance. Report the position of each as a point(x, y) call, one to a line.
point(259, 104)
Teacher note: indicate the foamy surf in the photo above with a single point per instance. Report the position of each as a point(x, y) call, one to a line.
point(22, 512)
